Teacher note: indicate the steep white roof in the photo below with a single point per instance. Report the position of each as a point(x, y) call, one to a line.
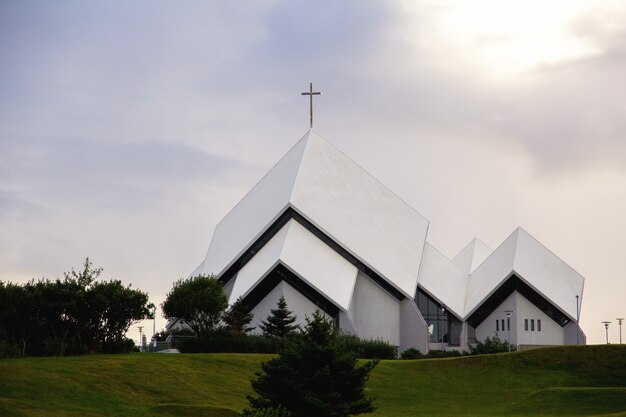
point(472, 255)
point(338, 197)
point(307, 257)
point(443, 280)
point(522, 255)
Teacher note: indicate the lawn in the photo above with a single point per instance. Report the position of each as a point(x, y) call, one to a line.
point(561, 381)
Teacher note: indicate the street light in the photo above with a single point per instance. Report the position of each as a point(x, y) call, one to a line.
point(153, 326)
point(619, 321)
point(508, 324)
point(140, 339)
point(577, 319)
point(606, 329)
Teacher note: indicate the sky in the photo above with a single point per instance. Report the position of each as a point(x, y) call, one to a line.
point(128, 129)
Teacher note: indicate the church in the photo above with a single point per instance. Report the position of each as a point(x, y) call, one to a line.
point(322, 232)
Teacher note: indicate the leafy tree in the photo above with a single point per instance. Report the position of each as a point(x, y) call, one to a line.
point(280, 321)
point(114, 309)
point(237, 318)
point(313, 376)
point(199, 301)
point(491, 345)
point(72, 315)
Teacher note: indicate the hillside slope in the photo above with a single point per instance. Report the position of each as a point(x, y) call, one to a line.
point(561, 381)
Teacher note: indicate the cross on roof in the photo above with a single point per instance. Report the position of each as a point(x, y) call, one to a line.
point(311, 93)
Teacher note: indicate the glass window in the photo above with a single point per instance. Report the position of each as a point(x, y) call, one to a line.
point(508, 324)
point(532, 325)
point(538, 325)
point(526, 324)
point(497, 325)
point(471, 334)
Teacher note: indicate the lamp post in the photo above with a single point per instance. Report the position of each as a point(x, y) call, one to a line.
point(140, 339)
point(606, 329)
point(154, 326)
point(619, 321)
point(577, 319)
point(508, 325)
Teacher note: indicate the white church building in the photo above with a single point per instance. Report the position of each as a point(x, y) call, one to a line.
point(322, 232)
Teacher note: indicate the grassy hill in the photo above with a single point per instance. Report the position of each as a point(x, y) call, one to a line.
point(560, 381)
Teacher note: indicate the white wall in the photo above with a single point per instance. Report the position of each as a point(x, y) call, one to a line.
point(488, 327)
point(374, 312)
point(296, 303)
point(413, 329)
point(551, 332)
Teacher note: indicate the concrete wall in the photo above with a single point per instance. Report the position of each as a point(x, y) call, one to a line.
point(413, 329)
point(296, 303)
point(488, 327)
point(551, 332)
point(374, 312)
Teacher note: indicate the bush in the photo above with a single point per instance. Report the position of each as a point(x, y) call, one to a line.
point(491, 345)
point(226, 342)
point(8, 350)
point(267, 412)
point(368, 349)
point(412, 353)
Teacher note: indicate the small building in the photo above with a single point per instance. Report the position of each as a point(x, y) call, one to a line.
point(322, 232)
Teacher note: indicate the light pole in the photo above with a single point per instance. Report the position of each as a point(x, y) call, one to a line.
point(619, 321)
point(606, 329)
point(508, 325)
point(577, 319)
point(140, 339)
point(153, 326)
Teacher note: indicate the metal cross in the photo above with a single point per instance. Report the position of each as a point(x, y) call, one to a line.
point(311, 94)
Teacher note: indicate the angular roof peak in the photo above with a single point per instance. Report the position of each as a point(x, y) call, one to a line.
point(337, 196)
point(472, 255)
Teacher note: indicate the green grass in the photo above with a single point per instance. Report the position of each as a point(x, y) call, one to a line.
point(562, 381)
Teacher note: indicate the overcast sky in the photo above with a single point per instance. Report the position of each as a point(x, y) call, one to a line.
point(128, 129)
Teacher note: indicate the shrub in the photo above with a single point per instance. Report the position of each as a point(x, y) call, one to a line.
point(226, 342)
point(491, 345)
point(368, 349)
point(412, 353)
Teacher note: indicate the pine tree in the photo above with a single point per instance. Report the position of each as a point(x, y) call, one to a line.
point(237, 318)
point(280, 321)
point(314, 375)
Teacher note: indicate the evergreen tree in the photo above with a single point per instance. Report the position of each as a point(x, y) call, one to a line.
point(313, 376)
point(237, 317)
point(280, 321)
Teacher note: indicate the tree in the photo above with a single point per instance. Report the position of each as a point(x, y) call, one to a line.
point(280, 321)
point(313, 376)
point(238, 317)
point(199, 301)
point(114, 309)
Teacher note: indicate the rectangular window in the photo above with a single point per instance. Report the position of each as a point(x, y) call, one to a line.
point(538, 325)
point(526, 324)
point(532, 325)
point(497, 325)
point(508, 324)
point(502, 324)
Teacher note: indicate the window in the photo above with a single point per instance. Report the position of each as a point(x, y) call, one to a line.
point(526, 324)
point(508, 324)
point(532, 325)
point(502, 324)
point(497, 325)
point(538, 325)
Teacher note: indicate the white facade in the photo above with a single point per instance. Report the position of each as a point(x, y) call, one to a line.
point(321, 231)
